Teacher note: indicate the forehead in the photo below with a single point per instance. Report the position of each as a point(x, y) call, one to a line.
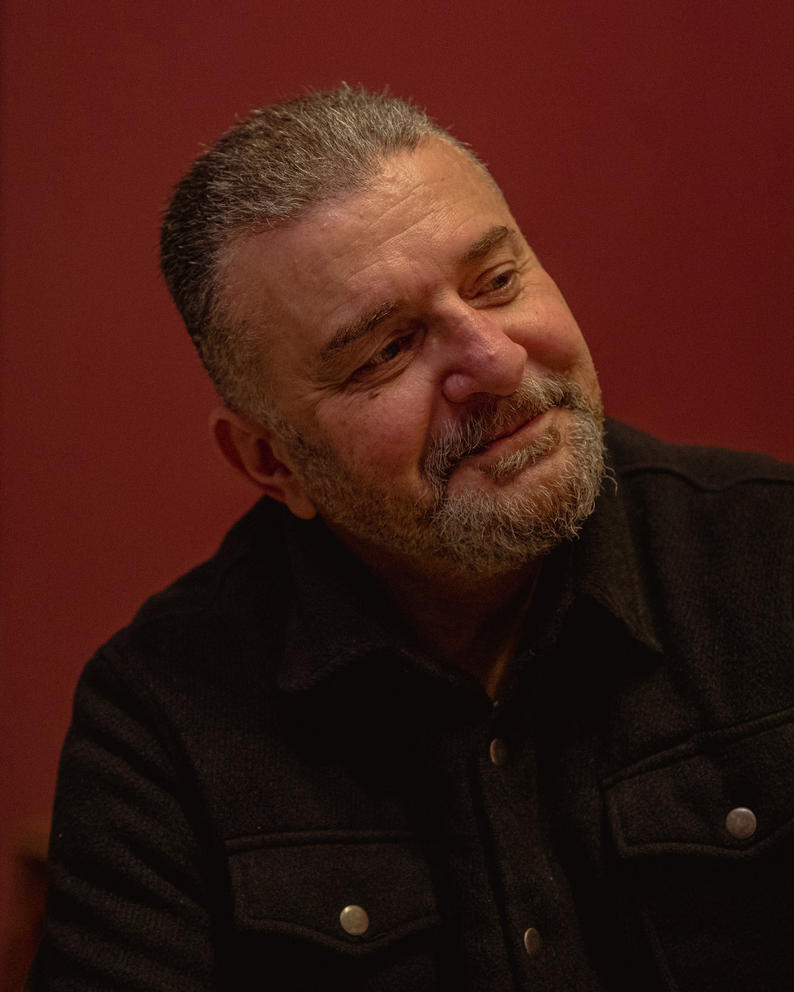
point(423, 214)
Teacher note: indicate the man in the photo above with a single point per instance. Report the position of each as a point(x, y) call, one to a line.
point(444, 711)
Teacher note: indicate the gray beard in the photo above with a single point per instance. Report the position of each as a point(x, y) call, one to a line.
point(485, 532)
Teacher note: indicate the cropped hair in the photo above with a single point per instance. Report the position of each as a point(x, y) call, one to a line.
point(267, 171)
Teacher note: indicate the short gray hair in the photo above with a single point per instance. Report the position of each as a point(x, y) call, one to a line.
point(267, 170)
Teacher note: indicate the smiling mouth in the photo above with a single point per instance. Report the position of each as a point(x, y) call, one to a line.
point(509, 432)
point(502, 429)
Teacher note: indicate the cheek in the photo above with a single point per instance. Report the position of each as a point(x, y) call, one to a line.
point(393, 443)
point(552, 339)
point(379, 433)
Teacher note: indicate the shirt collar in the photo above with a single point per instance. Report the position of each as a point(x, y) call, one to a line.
point(607, 570)
point(339, 616)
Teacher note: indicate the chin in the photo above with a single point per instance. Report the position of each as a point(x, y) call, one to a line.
point(497, 516)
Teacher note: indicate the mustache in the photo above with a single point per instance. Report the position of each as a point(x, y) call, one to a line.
point(481, 426)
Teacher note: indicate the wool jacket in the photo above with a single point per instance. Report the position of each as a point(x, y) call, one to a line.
point(267, 785)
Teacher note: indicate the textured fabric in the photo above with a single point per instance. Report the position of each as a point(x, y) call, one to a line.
point(264, 746)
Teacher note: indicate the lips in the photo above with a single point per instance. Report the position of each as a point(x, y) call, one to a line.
point(517, 426)
point(499, 426)
point(514, 428)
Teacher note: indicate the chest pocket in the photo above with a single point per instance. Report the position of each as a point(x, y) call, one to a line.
point(341, 907)
point(705, 833)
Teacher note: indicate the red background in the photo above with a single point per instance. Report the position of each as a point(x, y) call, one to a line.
point(645, 149)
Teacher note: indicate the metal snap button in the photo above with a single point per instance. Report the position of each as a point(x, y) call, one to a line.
point(354, 920)
point(741, 823)
point(532, 941)
point(498, 751)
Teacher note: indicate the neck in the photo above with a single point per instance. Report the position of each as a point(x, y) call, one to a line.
point(463, 619)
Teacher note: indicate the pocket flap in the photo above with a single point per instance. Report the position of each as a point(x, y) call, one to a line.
point(679, 801)
point(300, 883)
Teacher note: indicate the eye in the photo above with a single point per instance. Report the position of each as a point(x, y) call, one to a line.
point(503, 285)
point(388, 354)
point(391, 351)
point(502, 281)
point(496, 287)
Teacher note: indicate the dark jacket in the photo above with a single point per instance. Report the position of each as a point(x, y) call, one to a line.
point(264, 747)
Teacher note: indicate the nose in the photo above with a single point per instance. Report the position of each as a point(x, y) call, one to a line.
point(481, 358)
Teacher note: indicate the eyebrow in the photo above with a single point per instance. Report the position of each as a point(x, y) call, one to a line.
point(359, 327)
point(493, 237)
point(367, 322)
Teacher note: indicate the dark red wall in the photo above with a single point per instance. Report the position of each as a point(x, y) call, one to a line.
point(645, 148)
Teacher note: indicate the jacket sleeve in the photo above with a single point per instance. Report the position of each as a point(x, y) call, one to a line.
point(129, 890)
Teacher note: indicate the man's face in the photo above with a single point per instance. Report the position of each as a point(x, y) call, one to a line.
point(434, 394)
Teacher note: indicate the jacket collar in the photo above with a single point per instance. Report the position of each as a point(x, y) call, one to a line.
point(607, 570)
point(339, 616)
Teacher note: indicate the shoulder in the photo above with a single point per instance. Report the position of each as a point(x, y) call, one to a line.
point(253, 551)
point(216, 625)
point(707, 469)
point(704, 494)
point(703, 503)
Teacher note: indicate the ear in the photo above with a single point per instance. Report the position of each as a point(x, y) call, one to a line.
point(249, 448)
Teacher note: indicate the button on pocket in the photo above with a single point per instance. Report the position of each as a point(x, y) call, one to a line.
point(728, 794)
point(354, 920)
point(706, 835)
point(349, 884)
point(741, 823)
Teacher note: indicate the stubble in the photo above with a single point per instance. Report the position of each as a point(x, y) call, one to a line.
point(488, 530)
